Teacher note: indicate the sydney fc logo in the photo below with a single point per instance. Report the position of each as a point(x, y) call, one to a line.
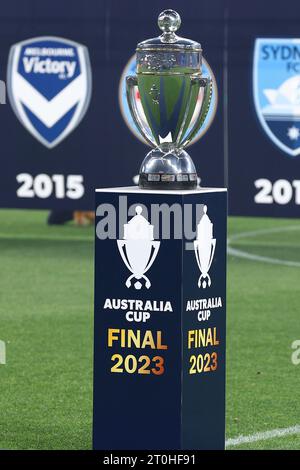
point(49, 86)
point(276, 82)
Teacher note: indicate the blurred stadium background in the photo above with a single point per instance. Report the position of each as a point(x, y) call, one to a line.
point(46, 276)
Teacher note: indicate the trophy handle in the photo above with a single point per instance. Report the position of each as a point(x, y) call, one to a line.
point(196, 254)
point(131, 83)
point(121, 244)
point(205, 83)
point(156, 245)
point(187, 111)
point(213, 242)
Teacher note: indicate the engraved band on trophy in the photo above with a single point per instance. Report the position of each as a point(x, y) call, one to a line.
point(170, 84)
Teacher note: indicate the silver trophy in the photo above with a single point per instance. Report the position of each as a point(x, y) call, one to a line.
point(204, 247)
point(170, 84)
point(138, 249)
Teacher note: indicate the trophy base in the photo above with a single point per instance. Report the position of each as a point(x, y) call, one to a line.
point(167, 167)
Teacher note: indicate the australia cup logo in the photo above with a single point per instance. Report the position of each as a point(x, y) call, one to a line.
point(49, 86)
point(276, 86)
point(138, 249)
point(204, 247)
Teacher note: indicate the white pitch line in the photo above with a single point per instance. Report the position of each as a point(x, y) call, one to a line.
point(264, 259)
point(262, 436)
point(264, 231)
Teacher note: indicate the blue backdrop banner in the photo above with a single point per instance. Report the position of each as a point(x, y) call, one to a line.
point(263, 51)
point(66, 128)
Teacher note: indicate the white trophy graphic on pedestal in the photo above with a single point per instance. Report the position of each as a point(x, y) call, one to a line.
point(138, 249)
point(204, 247)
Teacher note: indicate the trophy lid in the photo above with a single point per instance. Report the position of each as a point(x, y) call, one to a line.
point(169, 22)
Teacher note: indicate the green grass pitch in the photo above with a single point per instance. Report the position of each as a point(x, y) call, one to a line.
point(46, 318)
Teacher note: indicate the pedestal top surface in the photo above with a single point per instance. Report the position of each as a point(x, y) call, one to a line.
point(136, 189)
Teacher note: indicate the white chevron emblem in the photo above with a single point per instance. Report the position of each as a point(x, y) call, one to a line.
point(49, 112)
point(24, 95)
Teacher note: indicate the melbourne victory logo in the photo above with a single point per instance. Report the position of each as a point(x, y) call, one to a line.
point(49, 86)
point(276, 82)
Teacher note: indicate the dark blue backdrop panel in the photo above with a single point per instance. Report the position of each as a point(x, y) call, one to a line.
point(253, 155)
point(101, 148)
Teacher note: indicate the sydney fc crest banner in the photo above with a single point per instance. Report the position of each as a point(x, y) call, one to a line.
point(276, 82)
point(49, 86)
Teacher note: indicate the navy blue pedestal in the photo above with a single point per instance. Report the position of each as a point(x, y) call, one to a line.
point(160, 313)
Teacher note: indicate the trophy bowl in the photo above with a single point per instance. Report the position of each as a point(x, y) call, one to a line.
point(170, 85)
